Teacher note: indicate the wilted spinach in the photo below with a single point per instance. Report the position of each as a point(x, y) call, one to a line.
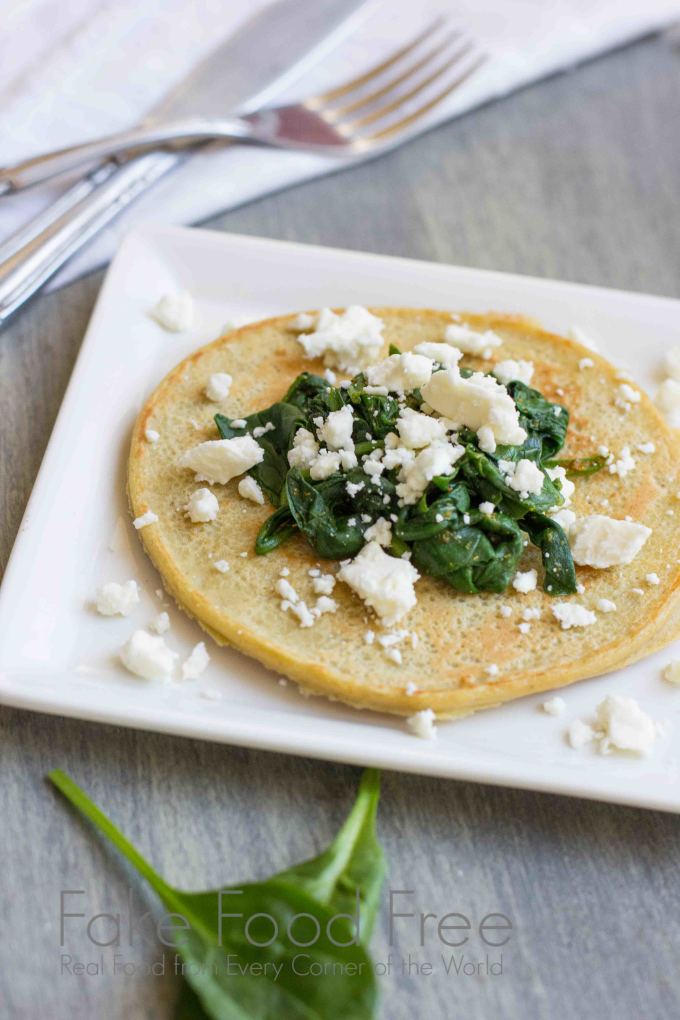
point(448, 536)
point(329, 889)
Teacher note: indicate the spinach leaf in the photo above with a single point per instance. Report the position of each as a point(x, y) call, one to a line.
point(333, 536)
point(485, 478)
point(580, 466)
point(324, 889)
point(276, 530)
point(537, 415)
point(306, 388)
point(282, 421)
point(558, 564)
point(474, 557)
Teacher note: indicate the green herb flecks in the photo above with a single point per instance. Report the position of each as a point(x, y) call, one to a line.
point(326, 890)
point(447, 535)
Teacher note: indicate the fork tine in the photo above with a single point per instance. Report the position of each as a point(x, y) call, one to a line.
point(398, 127)
point(339, 113)
point(401, 98)
point(349, 86)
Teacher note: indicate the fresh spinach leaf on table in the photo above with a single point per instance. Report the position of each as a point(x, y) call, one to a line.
point(325, 890)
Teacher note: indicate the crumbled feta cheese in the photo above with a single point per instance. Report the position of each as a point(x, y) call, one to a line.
point(554, 706)
point(646, 447)
point(486, 439)
point(219, 384)
point(671, 363)
point(305, 450)
point(471, 342)
point(623, 464)
point(443, 354)
point(565, 518)
point(323, 605)
point(151, 435)
point(671, 673)
point(147, 656)
point(524, 628)
point(623, 725)
point(144, 520)
point(261, 430)
point(350, 340)
point(196, 663)
point(238, 423)
point(221, 565)
point(325, 465)
point(422, 724)
point(525, 581)
point(220, 460)
point(492, 669)
point(628, 394)
point(401, 372)
point(301, 611)
point(161, 623)
point(411, 689)
point(369, 637)
point(506, 371)
point(505, 611)
point(202, 506)
point(434, 460)
point(532, 613)
point(286, 590)
point(385, 583)
point(302, 322)
point(570, 614)
point(526, 477)
point(606, 606)
point(394, 655)
point(486, 508)
point(248, 488)
point(475, 402)
point(336, 431)
point(380, 532)
point(115, 599)
point(579, 734)
point(174, 312)
point(586, 363)
point(599, 541)
point(668, 401)
point(351, 488)
point(566, 486)
point(417, 430)
point(323, 584)
point(652, 578)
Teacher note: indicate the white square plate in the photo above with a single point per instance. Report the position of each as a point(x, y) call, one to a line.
point(57, 655)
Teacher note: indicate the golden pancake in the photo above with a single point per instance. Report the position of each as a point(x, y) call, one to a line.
point(459, 635)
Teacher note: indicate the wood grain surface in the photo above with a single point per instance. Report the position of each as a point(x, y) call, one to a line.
point(576, 178)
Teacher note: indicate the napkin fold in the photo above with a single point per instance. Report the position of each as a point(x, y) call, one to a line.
point(102, 64)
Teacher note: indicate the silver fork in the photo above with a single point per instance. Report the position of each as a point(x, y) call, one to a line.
point(373, 112)
point(366, 114)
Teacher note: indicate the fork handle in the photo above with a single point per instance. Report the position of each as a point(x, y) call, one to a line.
point(114, 187)
point(172, 133)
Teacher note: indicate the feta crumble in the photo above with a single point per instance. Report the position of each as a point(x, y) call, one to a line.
point(174, 312)
point(668, 401)
point(602, 542)
point(423, 724)
point(217, 461)
point(202, 506)
point(443, 354)
point(222, 566)
point(469, 341)
point(219, 384)
point(161, 623)
point(336, 431)
point(671, 673)
point(115, 599)
point(147, 656)
point(554, 706)
point(506, 371)
point(248, 488)
point(196, 663)
point(401, 372)
point(385, 583)
point(652, 578)
point(145, 519)
point(417, 430)
point(570, 614)
point(475, 402)
point(606, 606)
point(349, 341)
point(380, 532)
point(151, 435)
point(525, 581)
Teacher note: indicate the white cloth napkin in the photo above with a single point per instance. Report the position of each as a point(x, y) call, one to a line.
point(75, 70)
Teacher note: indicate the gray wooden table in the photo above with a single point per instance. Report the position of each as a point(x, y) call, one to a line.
point(578, 178)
